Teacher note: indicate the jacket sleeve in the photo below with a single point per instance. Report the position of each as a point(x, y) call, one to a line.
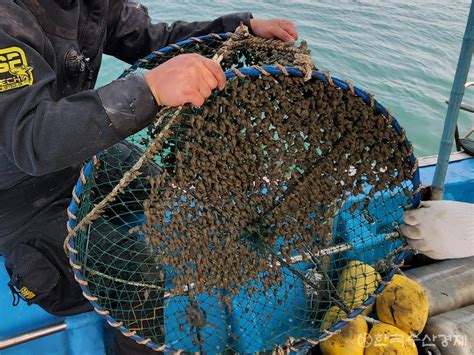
point(132, 36)
point(41, 135)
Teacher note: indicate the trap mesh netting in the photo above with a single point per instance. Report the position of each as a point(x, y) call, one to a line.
point(265, 219)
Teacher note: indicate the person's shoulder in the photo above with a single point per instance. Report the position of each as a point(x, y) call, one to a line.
point(19, 23)
point(12, 11)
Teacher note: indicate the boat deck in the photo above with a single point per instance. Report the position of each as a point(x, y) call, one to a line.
point(89, 334)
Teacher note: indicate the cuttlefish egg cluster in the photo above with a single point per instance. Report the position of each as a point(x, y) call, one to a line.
point(258, 174)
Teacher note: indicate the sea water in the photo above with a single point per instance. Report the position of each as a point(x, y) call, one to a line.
point(404, 52)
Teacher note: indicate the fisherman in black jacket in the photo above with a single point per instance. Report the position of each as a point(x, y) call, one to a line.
point(52, 119)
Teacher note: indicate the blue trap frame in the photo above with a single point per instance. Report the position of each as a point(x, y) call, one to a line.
point(174, 305)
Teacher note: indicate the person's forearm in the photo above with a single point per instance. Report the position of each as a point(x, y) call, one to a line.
point(54, 135)
point(132, 35)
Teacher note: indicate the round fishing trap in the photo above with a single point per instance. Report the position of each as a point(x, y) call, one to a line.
point(267, 218)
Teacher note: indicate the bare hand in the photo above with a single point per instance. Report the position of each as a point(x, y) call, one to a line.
point(283, 30)
point(186, 78)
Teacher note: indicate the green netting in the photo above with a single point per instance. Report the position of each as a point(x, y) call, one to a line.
point(259, 213)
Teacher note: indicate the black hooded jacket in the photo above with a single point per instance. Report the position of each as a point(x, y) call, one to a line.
point(51, 117)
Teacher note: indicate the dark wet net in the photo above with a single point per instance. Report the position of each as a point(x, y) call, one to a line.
point(232, 50)
point(257, 214)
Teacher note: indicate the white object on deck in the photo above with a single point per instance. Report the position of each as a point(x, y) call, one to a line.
point(441, 229)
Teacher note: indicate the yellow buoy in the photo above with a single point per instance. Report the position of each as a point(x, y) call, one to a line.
point(351, 339)
point(386, 339)
point(404, 304)
point(356, 283)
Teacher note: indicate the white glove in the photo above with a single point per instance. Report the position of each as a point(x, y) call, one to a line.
point(441, 229)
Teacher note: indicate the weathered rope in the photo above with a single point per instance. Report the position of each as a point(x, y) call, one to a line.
point(127, 178)
point(242, 38)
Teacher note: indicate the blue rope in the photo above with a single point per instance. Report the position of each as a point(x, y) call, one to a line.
point(151, 56)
